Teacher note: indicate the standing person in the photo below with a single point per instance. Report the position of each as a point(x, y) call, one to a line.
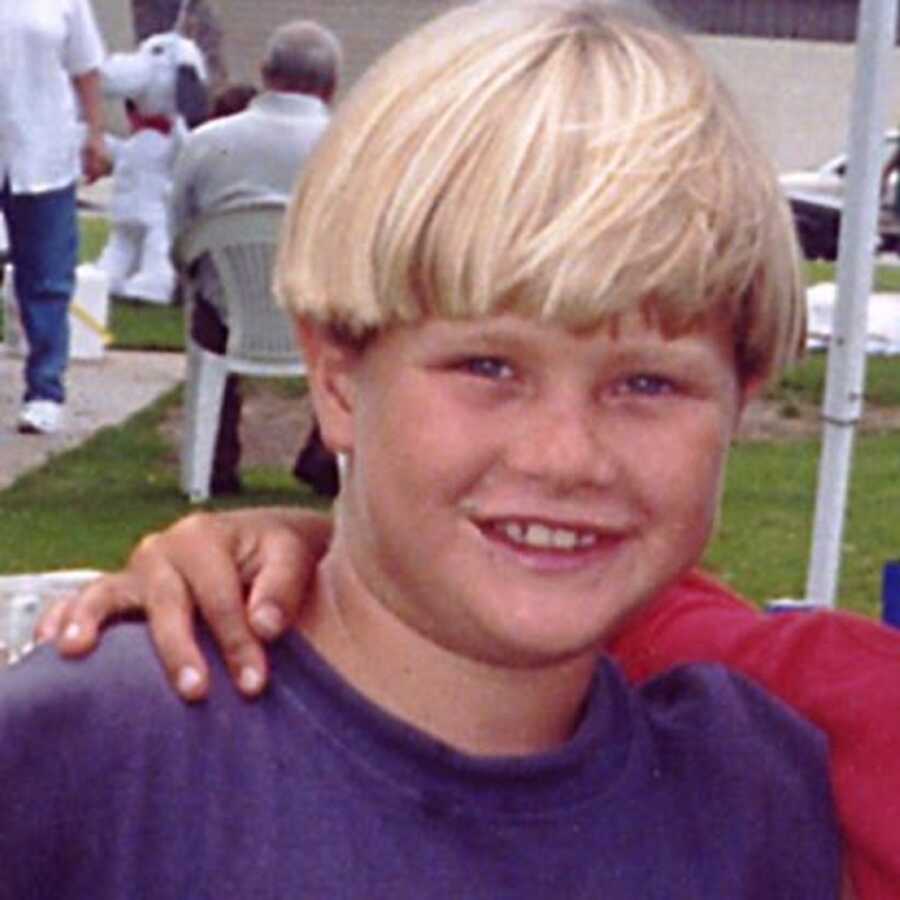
point(50, 54)
point(538, 267)
point(236, 161)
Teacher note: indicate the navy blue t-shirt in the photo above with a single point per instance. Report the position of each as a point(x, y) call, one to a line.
point(695, 786)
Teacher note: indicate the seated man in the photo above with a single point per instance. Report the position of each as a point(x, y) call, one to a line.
point(538, 268)
point(245, 158)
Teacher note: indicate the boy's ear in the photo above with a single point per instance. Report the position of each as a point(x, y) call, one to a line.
point(749, 391)
point(332, 367)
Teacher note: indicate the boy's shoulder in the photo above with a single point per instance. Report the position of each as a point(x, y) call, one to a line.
point(704, 714)
point(744, 777)
point(708, 697)
point(123, 672)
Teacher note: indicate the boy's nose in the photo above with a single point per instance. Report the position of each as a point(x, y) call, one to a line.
point(563, 444)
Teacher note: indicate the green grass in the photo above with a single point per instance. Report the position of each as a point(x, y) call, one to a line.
point(87, 507)
point(93, 234)
point(887, 278)
point(805, 383)
point(143, 326)
point(763, 544)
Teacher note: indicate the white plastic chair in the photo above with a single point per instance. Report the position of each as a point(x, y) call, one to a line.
point(241, 246)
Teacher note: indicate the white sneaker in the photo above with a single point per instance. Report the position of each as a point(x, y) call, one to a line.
point(40, 417)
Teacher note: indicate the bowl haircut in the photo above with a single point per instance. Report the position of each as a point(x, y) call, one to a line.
point(565, 160)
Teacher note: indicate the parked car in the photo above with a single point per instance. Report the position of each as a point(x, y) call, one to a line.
point(817, 201)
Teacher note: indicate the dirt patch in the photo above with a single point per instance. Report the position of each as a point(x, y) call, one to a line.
point(273, 428)
point(767, 420)
point(274, 424)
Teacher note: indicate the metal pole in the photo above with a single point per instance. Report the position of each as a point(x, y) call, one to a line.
point(845, 380)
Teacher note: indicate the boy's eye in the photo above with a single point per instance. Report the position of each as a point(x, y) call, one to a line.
point(492, 367)
point(646, 384)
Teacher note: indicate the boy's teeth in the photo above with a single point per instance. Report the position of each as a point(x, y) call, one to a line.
point(538, 535)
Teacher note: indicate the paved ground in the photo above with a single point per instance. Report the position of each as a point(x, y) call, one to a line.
point(100, 393)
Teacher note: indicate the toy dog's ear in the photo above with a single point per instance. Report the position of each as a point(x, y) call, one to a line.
point(191, 96)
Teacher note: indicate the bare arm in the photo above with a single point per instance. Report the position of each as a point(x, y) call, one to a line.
point(244, 572)
point(94, 158)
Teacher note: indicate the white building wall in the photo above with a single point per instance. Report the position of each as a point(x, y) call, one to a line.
point(114, 18)
point(797, 92)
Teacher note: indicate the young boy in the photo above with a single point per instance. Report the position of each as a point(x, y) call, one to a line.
point(538, 268)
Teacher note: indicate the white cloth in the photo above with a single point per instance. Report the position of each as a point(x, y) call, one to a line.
point(43, 45)
point(249, 157)
point(882, 320)
point(142, 177)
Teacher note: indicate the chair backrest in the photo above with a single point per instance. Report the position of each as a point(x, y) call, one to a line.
point(240, 245)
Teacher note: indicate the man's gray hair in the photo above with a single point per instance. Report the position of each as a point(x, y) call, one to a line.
point(303, 56)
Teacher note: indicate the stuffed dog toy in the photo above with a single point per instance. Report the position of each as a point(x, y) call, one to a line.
point(163, 84)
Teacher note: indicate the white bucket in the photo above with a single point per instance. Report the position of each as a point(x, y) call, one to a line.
point(88, 313)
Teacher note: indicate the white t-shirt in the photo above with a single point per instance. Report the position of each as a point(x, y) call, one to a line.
point(43, 44)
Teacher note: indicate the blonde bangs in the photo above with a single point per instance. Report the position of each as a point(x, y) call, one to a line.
point(569, 166)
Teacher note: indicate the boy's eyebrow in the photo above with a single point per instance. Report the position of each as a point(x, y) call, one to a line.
point(487, 334)
point(631, 349)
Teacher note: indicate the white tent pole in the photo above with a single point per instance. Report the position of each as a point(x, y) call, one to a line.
point(845, 380)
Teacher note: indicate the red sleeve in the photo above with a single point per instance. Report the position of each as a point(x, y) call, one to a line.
point(839, 670)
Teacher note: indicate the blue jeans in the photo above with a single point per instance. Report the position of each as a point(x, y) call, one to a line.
point(43, 243)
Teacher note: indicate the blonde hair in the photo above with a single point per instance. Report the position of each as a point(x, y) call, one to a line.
point(568, 160)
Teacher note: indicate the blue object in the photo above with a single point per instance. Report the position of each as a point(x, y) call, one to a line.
point(43, 239)
point(890, 593)
point(783, 606)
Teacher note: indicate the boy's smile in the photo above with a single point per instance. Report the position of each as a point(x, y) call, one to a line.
point(516, 489)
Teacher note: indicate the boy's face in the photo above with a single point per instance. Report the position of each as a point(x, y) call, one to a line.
point(516, 489)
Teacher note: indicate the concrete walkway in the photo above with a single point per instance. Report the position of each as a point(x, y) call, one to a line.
point(100, 393)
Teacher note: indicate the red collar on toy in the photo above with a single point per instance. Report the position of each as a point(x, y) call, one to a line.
point(162, 124)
